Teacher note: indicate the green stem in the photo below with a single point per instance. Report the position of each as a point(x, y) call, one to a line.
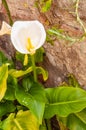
point(78, 18)
point(48, 122)
point(4, 2)
point(34, 67)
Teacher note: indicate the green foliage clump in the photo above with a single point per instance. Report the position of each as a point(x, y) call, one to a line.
point(22, 98)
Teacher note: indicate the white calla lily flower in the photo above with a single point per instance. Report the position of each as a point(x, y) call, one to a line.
point(27, 36)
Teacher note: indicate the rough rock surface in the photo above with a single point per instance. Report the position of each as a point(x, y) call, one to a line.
point(60, 59)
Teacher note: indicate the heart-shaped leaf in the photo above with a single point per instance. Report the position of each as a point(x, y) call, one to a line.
point(24, 120)
point(34, 100)
point(64, 100)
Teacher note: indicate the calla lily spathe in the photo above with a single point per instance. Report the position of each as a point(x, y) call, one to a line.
point(27, 36)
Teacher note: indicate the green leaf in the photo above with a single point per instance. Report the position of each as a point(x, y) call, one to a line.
point(6, 107)
point(46, 5)
point(78, 121)
point(35, 89)
point(82, 115)
point(32, 100)
point(11, 85)
point(73, 81)
point(27, 83)
point(3, 80)
point(59, 34)
point(76, 124)
point(44, 73)
point(42, 127)
point(18, 73)
point(39, 55)
point(10, 93)
point(24, 120)
point(19, 57)
point(3, 59)
point(38, 92)
point(1, 125)
point(64, 100)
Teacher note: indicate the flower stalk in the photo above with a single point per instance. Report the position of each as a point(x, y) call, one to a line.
point(34, 67)
point(4, 2)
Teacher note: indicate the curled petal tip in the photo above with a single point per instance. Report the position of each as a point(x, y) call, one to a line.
point(5, 29)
